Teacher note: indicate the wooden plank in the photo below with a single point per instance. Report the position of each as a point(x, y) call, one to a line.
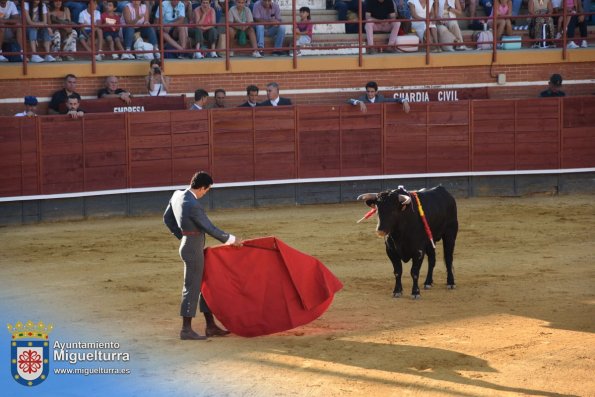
point(191, 151)
point(578, 112)
point(319, 154)
point(497, 126)
point(150, 173)
point(449, 113)
point(194, 138)
point(416, 116)
point(147, 142)
point(150, 154)
point(362, 152)
point(405, 149)
point(103, 159)
point(105, 178)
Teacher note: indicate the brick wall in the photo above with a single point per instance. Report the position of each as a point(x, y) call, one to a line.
point(335, 79)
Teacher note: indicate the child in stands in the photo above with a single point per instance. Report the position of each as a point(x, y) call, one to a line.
point(304, 29)
point(85, 35)
point(111, 33)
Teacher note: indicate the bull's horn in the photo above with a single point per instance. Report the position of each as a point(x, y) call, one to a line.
point(404, 199)
point(368, 196)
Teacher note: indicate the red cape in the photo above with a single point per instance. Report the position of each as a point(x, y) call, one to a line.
point(266, 286)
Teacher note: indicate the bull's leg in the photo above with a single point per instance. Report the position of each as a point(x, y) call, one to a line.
point(449, 248)
point(397, 267)
point(431, 263)
point(415, 292)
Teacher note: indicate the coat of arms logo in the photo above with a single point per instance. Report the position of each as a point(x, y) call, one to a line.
point(29, 347)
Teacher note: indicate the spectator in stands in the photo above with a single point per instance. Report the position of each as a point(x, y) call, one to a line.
point(304, 29)
point(174, 13)
point(418, 18)
point(204, 18)
point(377, 11)
point(75, 7)
point(30, 107)
point(372, 96)
point(157, 82)
point(59, 98)
point(200, 99)
point(487, 7)
point(503, 22)
point(36, 18)
point(451, 9)
point(9, 15)
point(267, 11)
point(553, 87)
point(344, 7)
point(538, 8)
point(111, 90)
point(242, 14)
point(219, 99)
point(60, 15)
point(73, 107)
point(85, 32)
point(576, 19)
point(251, 96)
point(111, 33)
point(273, 98)
point(137, 13)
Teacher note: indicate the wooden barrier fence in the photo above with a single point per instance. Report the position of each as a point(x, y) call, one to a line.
point(56, 154)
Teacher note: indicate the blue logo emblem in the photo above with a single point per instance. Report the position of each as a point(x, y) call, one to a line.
point(30, 357)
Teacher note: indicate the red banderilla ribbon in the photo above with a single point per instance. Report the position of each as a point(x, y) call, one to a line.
point(368, 214)
point(423, 218)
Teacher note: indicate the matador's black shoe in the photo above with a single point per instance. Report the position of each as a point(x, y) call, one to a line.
point(188, 334)
point(216, 331)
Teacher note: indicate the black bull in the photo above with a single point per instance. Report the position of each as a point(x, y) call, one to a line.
point(400, 222)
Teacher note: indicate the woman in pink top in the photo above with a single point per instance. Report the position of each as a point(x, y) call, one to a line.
point(136, 15)
point(204, 18)
point(503, 23)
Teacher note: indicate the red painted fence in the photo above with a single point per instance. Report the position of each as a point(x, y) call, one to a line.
point(55, 154)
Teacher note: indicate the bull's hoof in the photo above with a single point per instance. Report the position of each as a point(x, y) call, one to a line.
point(416, 296)
point(451, 286)
point(397, 294)
point(427, 286)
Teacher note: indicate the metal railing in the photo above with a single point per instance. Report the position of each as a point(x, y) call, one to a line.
point(361, 46)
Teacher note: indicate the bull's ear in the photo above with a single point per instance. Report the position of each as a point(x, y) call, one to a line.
point(369, 198)
point(404, 199)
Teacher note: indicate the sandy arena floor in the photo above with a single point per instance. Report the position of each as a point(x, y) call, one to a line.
point(521, 321)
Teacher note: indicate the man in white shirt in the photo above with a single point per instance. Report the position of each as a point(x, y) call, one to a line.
point(273, 98)
point(372, 96)
point(9, 16)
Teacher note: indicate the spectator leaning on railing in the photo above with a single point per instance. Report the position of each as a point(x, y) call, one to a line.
point(111, 90)
point(372, 96)
point(73, 107)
